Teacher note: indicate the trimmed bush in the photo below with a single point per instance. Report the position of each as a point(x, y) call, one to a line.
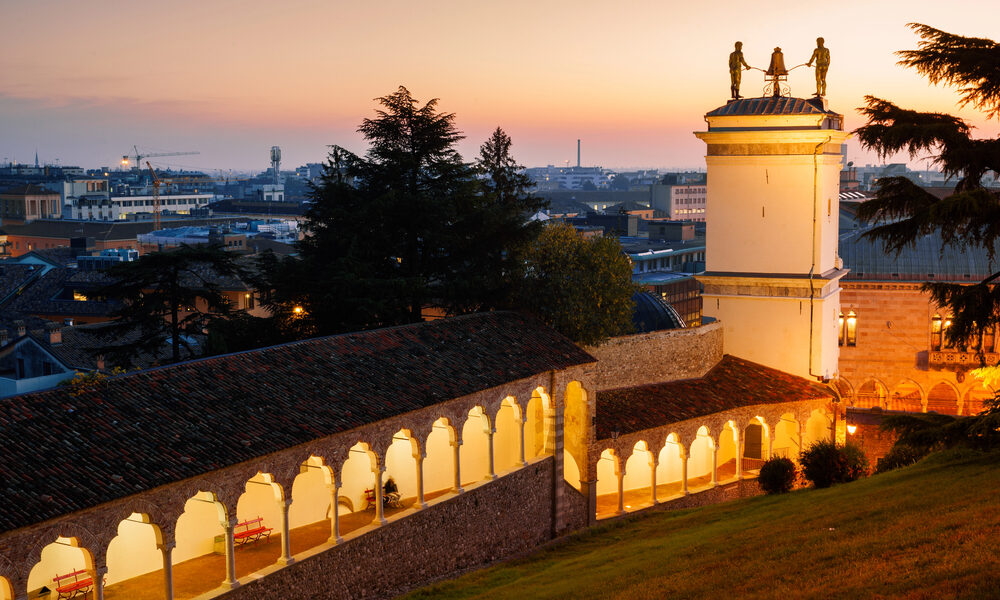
point(901, 455)
point(825, 463)
point(777, 475)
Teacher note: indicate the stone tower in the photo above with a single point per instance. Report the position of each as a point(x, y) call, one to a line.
point(772, 270)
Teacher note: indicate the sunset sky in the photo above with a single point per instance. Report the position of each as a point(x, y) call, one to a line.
point(84, 81)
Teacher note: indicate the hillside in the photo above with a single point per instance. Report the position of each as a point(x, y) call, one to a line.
point(928, 531)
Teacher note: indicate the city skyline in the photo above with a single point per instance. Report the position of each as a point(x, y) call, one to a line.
point(86, 82)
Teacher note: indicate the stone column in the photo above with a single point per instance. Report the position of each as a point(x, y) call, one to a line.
point(520, 436)
point(652, 478)
point(419, 459)
point(168, 571)
point(770, 441)
point(334, 516)
point(684, 474)
point(458, 466)
point(489, 450)
point(286, 546)
point(715, 465)
point(620, 472)
point(379, 500)
point(800, 440)
point(100, 572)
point(230, 581)
point(739, 453)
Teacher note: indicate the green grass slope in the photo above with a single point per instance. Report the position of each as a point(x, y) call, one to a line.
point(928, 531)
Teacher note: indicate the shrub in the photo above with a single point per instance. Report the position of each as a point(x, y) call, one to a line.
point(777, 475)
point(901, 455)
point(824, 463)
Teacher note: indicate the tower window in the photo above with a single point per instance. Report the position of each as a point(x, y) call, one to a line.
point(848, 329)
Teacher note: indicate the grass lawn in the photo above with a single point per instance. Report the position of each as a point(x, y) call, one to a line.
point(927, 531)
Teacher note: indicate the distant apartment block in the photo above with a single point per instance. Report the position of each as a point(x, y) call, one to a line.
point(26, 203)
point(682, 202)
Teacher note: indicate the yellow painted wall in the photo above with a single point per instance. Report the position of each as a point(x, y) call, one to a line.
point(356, 477)
point(196, 530)
point(638, 473)
point(607, 481)
point(727, 446)
point(786, 437)
point(534, 428)
point(506, 441)
point(439, 465)
point(474, 453)
point(6, 589)
point(700, 462)
point(310, 498)
point(571, 472)
point(669, 468)
point(818, 428)
point(133, 552)
point(401, 466)
point(58, 558)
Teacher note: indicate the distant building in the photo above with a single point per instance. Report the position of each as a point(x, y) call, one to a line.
point(26, 203)
point(682, 202)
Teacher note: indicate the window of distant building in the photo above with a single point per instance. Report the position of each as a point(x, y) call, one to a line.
point(848, 329)
point(939, 333)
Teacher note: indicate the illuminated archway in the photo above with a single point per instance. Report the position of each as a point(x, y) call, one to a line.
point(507, 439)
point(199, 532)
point(728, 452)
point(571, 472)
point(312, 495)
point(262, 499)
point(535, 424)
point(819, 428)
point(357, 488)
point(474, 456)
point(63, 556)
point(756, 444)
point(401, 465)
point(907, 396)
point(6, 589)
point(786, 437)
point(638, 477)
point(609, 501)
point(846, 391)
point(134, 552)
point(670, 469)
point(943, 399)
point(976, 399)
point(700, 460)
point(872, 394)
point(439, 464)
point(576, 429)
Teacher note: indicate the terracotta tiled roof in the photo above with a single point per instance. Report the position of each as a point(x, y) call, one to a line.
point(732, 383)
point(134, 432)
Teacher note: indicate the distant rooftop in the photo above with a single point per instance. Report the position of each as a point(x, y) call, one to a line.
point(926, 260)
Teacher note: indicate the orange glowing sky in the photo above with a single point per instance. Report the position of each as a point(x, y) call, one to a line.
point(83, 81)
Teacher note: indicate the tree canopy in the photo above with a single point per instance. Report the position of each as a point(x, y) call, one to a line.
point(902, 211)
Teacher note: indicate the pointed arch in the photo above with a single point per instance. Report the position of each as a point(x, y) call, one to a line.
point(873, 393)
point(907, 396)
point(439, 459)
point(60, 557)
point(135, 550)
point(507, 439)
point(670, 468)
point(474, 455)
point(943, 398)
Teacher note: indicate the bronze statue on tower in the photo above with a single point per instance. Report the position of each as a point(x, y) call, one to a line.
point(735, 73)
point(822, 57)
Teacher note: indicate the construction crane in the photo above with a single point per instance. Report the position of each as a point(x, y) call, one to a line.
point(157, 182)
point(138, 157)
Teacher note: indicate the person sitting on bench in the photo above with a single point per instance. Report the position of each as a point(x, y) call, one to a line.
point(390, 493)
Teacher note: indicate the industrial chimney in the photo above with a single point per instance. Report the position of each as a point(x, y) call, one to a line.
point(577, 154)
point(275, 162)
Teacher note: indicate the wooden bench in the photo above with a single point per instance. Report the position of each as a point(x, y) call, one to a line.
point(80, 586)
point(253, 530)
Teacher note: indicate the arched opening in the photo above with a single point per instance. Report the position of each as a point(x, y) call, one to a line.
point(260, 505)
point(700, 459)
point(199, 558)
point(728, 452)
point(786, 437)
point(475, 451)
point(976, 399)
point(907, 396)
point(6, 589)
point(355, 502)
point(755, 444)
point(439, 464)
point(638, 477)
point(507, 439)
point(846, 391)
point(942, 399)
point(607, 484)
point(401, 466)
point(872, 394)
point(309, 514)
point(670, 469)
point(576, 428)
point(819, 428)
point(134, 559)
point(571, 472)
point(60, 559)
point(535, 429)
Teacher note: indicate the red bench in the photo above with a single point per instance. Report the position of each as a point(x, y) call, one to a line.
point(253, 530)
point(78, 587)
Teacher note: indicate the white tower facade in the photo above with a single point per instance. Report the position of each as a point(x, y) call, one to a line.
point(772, 270)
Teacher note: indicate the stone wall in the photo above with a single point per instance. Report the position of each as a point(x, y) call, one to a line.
point(506, 517)
point(657, 356)
point(575, 508)
point(875, 442)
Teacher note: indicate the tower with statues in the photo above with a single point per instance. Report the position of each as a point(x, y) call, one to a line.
point(772, 268)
